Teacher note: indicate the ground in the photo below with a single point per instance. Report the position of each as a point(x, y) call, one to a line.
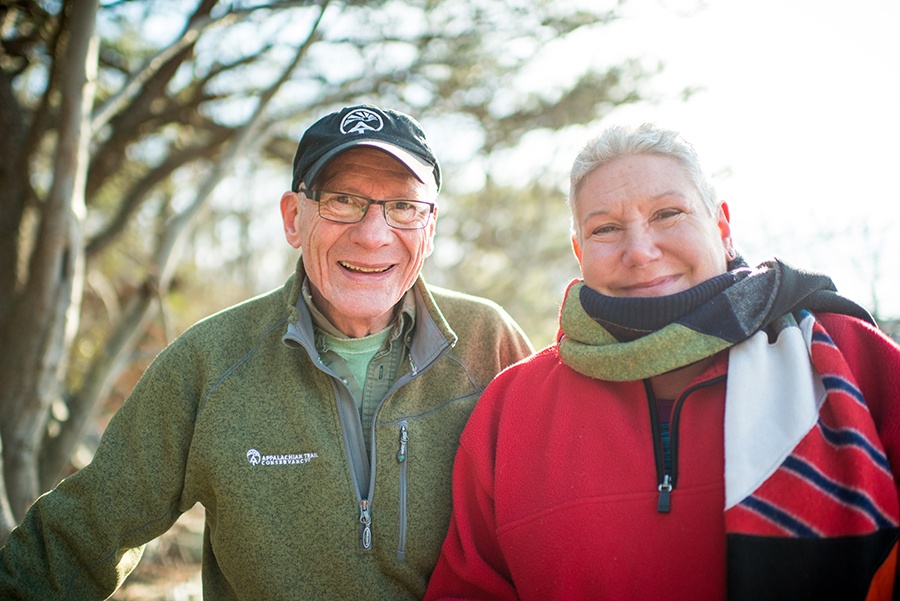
point(170, 568)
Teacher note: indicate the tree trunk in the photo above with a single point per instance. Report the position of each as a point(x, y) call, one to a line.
point(248, 138)
point(45, 317)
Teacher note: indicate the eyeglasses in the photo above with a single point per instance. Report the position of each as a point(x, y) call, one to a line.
point(350, 208)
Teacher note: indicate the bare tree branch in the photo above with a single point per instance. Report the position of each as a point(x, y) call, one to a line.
point(134, 197)
point(249, 136)
point(195, 26)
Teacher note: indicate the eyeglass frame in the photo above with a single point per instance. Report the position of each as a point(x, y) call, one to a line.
point(314, 195)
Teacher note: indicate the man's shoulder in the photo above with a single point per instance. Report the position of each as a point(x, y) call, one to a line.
point(250, 316)
point(448, 300)
point(467, 313)
point(478, 320)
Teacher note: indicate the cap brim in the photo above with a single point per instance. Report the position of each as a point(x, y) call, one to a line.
point(423, 170)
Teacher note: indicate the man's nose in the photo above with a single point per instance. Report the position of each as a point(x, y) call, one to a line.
point(373, 228)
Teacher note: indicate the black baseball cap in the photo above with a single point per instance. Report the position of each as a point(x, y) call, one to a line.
point(365, 125)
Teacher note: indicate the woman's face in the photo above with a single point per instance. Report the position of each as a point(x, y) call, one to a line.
point(643, 230)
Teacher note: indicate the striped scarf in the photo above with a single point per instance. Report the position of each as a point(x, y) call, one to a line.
point(811, 507)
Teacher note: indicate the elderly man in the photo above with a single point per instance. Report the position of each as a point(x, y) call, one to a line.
point(317, 424)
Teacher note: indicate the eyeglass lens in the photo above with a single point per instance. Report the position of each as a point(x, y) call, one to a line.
point(348, 208)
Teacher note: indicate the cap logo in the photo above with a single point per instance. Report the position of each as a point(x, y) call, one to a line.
point(361, 121)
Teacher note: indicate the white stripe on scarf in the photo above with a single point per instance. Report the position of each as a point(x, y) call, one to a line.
point(772, 399)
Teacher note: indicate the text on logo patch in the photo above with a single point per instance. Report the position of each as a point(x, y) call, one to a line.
point(257, 458)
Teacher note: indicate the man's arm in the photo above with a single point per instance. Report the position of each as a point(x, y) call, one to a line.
point(82, 539)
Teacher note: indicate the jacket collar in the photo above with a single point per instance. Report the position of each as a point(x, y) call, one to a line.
point(430, 337)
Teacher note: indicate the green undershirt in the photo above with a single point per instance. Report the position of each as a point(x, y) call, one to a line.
point(367, 365)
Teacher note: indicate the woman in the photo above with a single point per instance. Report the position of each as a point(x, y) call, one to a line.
point(702, 430)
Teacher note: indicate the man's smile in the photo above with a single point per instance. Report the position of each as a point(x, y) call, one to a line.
point(361, 269)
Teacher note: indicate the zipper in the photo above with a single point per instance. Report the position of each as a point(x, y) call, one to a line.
point(667, 476)
point(348, 417)
point(365, 505)
point(404, 442)
point(664, 505)
point(665, 480)
point(402, 456)
point(365, 520)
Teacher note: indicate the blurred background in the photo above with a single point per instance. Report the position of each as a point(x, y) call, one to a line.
point(135, 206)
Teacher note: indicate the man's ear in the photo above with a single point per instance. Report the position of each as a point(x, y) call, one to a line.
point(290, 215)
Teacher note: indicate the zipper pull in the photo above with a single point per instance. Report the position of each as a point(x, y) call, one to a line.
point(665, 495)
point(365, 518)
point(412, 366)
point(404, 440)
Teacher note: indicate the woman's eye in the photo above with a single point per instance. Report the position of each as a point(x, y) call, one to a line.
point(668, 213)
point(604, 229)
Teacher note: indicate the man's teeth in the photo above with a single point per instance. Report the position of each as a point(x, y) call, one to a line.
point(362, 269)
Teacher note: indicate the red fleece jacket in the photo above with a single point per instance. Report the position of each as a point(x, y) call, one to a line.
point(555, 486)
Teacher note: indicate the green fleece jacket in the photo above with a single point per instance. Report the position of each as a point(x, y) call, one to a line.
point(240, 415)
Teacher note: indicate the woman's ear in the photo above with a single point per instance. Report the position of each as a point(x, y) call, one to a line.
point(576, 248)
point(724, 224)
point(724, 212)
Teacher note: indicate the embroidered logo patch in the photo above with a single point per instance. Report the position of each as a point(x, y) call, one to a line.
point(361, 121)
point(256, 458)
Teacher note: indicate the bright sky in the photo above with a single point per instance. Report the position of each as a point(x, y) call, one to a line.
point(797, 115)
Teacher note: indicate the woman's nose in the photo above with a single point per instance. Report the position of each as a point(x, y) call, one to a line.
point(641, 248)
